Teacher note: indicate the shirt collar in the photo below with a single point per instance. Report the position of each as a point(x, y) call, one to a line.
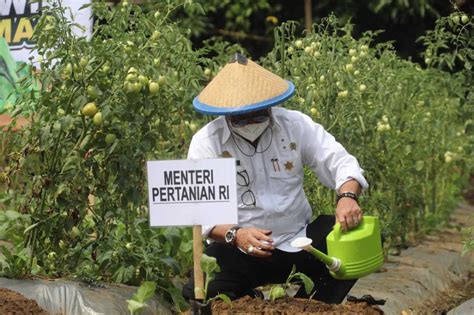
point(226, 132)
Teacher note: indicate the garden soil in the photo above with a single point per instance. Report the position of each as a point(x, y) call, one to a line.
point(12, 302)
point(290, 306)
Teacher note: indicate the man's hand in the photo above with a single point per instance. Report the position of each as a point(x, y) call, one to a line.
point(348, 213)
point(257, 240)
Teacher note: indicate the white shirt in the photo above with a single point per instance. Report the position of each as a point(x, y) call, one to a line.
point(274, 171)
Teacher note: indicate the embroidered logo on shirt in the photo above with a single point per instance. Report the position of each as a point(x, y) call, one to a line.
point(293, 146)
point(276, 165)
point(226, 154)
point(288, 165)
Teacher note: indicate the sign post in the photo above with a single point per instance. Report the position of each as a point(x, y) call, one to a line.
point(197, 252)
point(192, 193)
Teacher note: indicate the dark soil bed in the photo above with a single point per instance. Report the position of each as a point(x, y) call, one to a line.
point(287, 306)
point(13, 303)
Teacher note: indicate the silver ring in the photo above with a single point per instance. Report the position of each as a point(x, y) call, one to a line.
point(250, 249)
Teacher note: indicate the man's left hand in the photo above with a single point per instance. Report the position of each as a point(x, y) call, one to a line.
point(348, 213)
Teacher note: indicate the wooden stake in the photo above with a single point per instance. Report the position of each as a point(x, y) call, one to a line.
point(197, 253)
point(308, 15)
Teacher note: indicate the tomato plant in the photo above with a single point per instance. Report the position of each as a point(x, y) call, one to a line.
point(107, 104)
point(406, 125)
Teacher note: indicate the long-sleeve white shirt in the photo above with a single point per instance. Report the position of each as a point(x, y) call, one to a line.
point(273, 172)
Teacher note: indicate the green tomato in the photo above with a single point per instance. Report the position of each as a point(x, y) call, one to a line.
point(343, 94)
point(349, 67)
point(161, 79)
point(131, 77)
point(137, 86)
point(92, 92)
point(464, 19)
point(68, 69)
point(89, 109)
point(455, 19)
point(153, 87)
point(110, 138)
point(128, 87)
point(83, 62)
point(105, 68)
point(155, 35)
point(74, 232)
point(143, 80)
point(97, 120)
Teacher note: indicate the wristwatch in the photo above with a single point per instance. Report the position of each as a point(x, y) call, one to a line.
point(348, 194)
point(230, 235)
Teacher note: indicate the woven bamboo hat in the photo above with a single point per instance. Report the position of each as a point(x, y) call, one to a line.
point(240, 87)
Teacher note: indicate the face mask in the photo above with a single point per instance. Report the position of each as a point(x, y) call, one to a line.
point(251, 131)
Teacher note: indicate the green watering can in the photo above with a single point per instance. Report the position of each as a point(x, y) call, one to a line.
point(351, 254)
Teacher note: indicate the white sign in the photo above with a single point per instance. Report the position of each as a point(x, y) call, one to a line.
point(18, 19)
point(192, 192)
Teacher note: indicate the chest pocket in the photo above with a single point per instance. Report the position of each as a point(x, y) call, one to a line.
point(286, 178)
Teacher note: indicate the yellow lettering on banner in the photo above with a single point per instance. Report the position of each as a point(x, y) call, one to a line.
point(23, 31)
point(6, 30)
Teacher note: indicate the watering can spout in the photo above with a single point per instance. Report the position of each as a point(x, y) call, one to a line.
point(332, 263)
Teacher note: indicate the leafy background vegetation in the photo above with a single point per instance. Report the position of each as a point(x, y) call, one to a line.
point(75, 199)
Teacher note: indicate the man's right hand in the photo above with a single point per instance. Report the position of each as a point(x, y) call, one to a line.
point(255, 242)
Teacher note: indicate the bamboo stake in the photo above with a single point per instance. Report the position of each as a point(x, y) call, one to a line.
point(197, 253)
point(308, 15)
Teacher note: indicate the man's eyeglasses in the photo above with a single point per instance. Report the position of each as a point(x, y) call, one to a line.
point(250, 118)
point(247, 197)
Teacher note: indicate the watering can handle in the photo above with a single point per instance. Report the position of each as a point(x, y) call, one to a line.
point(338, 230)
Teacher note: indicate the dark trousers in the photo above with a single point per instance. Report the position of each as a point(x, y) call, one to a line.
point(240, 273)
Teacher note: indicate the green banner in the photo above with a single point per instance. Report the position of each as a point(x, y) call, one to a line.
point(9, 76)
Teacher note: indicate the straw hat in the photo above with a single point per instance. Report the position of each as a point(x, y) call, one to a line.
point(240, 87)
